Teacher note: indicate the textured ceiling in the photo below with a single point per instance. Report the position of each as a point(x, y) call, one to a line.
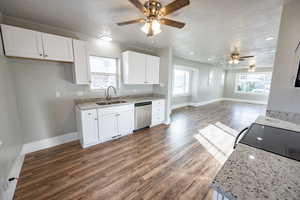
point(213, 28)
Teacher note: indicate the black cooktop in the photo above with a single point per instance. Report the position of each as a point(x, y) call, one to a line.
point(275, 140)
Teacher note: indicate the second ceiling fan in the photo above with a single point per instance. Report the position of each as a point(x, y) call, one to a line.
point(154, 15)
point(235, 58)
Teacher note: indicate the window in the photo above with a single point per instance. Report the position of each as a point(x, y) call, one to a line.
point(181, 84)
point(254, 83)
point(103, 72)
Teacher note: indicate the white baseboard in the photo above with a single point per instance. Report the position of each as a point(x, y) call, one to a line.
point(246, 101)
point(195, 104)
point(8, 194)
point(181, 105)
point(206, 102)
point(49, 142)
point(216, 100)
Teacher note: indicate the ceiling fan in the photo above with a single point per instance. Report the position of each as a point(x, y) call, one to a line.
point(235, 58)
point(154, 15)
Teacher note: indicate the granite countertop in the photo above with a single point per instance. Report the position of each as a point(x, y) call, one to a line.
point(87, 104)
point(254, 174)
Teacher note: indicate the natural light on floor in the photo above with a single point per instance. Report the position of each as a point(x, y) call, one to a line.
point(218, 140)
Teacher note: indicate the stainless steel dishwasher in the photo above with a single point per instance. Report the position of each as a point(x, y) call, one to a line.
point(142, 115)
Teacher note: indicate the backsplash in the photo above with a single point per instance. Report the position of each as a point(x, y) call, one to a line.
point(286, 116)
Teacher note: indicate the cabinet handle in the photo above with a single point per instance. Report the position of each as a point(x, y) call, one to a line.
point(89, 113)
point(41, 54)
point(117, 115)
point(96, 119)
point(45, 55)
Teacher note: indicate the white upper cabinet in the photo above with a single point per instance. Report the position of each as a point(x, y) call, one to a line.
point(25, 43)
point(57, 48)
point(140, 68)
point(152, 69)
point(19, 42)
point(81, 68)
point(134, 68)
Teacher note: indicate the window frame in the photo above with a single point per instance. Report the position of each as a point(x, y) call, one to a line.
point(186, 69)
point(117, 74)
point(250, 93)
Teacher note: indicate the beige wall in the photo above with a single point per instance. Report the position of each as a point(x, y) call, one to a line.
point(41, 113)
point(229, 90)
point(11, 134)
point(284, 96)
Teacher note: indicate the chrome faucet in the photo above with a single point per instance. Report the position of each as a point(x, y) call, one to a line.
point(107, 95)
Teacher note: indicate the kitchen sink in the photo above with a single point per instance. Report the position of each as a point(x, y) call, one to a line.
point(110, 102)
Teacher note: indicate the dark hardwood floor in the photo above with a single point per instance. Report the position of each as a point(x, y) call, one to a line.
point(164, 162)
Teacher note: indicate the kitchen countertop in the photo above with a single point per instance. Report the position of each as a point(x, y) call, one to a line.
point(254, 174)
point(91, 103)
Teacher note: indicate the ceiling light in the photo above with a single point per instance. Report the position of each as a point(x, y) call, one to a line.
point(259, 138)
point(153, 26)
point(192, 53)
point(270, 38)
point(251, 157)
point(209, 59)
point(236, 61)
point(252, 68)
point(106, 38)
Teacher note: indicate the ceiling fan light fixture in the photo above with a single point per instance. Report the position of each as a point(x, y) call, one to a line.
point(252, 68)
point(146, 28)
point(235, 61)
point(154, 25)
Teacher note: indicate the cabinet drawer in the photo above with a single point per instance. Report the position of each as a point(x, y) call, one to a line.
point(160, 102)
point(115, 109)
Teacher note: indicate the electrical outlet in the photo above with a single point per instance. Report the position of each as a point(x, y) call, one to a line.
point(3, 185)
point(57, 94)
point(80, 93)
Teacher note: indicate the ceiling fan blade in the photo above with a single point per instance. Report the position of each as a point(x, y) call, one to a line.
point(138, 4)
point(172, 23)
point(174, 6)
point(140, 20)
point(247, 57)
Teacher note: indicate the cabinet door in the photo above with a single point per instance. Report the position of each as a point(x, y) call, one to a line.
point(108, 129)
point(81, 70)
point(24, 43)
point(125, 122)
point(89, 121)
point(152, 69)
point(57, 48)
point(134, 68)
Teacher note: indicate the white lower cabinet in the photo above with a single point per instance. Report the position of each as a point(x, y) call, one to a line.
point(101, 125)
point(158, 112)
point(108, 127)
point(87, 123)
point(125, 122)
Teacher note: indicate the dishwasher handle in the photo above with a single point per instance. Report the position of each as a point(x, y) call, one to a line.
point(143, 104)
